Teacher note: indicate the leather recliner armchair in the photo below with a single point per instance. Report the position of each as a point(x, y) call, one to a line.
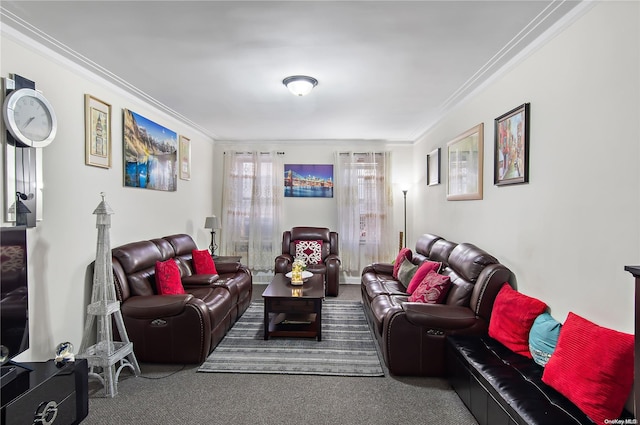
point(330, 261)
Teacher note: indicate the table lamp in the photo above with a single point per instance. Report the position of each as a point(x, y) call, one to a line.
point(212, 223)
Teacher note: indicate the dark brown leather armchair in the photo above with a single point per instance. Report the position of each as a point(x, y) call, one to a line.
point(330, 264)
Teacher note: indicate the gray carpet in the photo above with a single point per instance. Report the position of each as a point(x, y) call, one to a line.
point(347, 347)
point(176, 394)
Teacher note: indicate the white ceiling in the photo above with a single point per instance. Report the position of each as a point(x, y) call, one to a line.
point(386, 69)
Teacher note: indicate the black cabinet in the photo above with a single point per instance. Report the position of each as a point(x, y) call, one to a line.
point(46, 394)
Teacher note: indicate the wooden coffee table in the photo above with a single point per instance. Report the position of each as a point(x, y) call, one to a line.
point(292, 310)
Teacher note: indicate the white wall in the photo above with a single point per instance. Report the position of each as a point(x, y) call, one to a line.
point(64, 243)
point(569, 233)
point(323, 212)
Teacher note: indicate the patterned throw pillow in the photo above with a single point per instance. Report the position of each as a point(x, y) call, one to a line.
point(422, 272)
point(432, 290)
point(168, 278)
point(202, 262)
point(309, 251)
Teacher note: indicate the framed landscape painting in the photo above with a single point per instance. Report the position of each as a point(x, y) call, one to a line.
point(150, 154)
point(308, 181)
point(464, 174)
point(511, 147)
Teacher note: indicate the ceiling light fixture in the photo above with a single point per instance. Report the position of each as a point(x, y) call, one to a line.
point(300, 85)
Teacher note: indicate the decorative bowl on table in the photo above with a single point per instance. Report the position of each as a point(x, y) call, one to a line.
point(304, 276)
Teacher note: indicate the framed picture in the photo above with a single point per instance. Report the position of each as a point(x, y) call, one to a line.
point(97, 130)
point(308, 180)
point(150, 154)
point(511, 153)
point(433, 167)
point(185, 158)
point(464, 174)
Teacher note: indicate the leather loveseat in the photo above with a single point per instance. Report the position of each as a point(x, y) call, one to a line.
point(412, 335)
point(182, 328)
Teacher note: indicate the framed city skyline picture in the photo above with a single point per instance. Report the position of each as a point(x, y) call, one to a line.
point(308, 180)
point(97, 127)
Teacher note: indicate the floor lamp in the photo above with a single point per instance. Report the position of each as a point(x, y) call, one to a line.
point(212, 223)
point(404, 192)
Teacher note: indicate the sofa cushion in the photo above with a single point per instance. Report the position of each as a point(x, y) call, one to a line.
point(593, 367)
point(168, 278)
point(512, 317)
point(202, 262)
point(404, 253)
point(432, 290)
point(421, 273)
point(543, 338)
point(406, 272)
point(309, 251)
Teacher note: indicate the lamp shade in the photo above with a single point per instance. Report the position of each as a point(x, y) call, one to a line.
point(212, 222)
point(300, 85)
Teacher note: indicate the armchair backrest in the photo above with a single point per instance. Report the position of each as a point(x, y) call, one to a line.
point(329, 239)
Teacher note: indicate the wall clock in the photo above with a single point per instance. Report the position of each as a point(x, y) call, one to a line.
point(30, 118)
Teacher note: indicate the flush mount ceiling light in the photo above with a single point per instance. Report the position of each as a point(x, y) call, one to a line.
point(300, 84)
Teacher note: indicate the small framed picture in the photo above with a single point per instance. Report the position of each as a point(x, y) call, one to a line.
point(464, 174)
point(433, 167)
point(185, 158)
point(97, 127)
point(511, 160)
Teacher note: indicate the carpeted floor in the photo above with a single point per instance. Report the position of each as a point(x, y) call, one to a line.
point(173, 394)
point(347, 347)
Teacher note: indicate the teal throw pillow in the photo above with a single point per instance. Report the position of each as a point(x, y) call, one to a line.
point(543, 338)
point(406, 272)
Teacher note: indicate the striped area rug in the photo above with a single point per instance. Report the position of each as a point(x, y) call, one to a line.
point(347, 347)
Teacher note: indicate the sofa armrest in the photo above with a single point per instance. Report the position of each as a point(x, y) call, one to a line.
point(439, 316)
point(332, 259)
point(382, 268)
point(200, 279)
point(282, 263)
point(226, 268)
point(154, 306)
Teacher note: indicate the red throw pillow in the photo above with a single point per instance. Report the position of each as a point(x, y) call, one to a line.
point(202, 262)
point(593, 367)
point(512, 317)
point(404, 253)
point(168, 278)
point(432, 289)
point(309, 251)
point(426, 267)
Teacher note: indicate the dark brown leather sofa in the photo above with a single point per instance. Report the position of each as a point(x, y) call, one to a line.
point(181, 328)
point(330, 266)
point(412, 335)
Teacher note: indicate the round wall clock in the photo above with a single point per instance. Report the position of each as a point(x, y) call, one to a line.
point(30, 118)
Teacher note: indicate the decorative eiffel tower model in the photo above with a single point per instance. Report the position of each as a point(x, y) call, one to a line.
point(106, 353)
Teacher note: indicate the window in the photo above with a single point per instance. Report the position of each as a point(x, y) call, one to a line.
point(252, 200)
point(364, 209)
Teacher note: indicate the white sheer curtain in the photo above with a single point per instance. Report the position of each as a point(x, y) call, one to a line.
point(365, 209)
point(251, 207)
